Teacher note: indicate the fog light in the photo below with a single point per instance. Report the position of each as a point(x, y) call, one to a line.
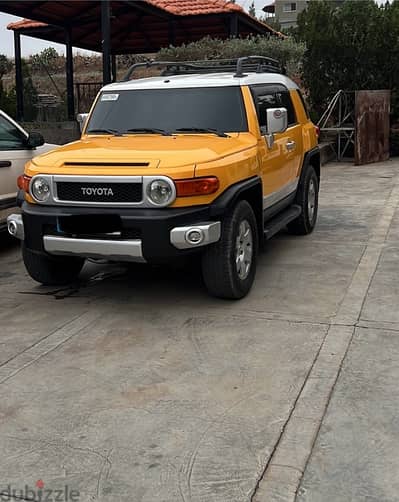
point(194, 236)
point(40, 189)
point(12, 228)
point(15, 226)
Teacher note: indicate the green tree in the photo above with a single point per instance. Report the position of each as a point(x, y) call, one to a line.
point(30, 93)
point(5, 65)
point(352, 47)
point(48, 57)
point(47, 60)
point(30, 96)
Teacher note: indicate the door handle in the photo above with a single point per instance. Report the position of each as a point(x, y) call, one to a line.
point(5, 163)
point(291, 145)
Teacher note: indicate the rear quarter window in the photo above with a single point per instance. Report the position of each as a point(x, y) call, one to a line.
point(303, 103)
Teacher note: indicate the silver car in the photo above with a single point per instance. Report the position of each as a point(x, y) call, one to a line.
point(16, 147)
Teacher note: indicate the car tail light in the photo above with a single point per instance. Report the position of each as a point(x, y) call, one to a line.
point(317, 131)
point(23, 183)
point(197, 186)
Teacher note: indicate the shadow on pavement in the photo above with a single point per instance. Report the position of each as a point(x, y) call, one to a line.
point(121, 281)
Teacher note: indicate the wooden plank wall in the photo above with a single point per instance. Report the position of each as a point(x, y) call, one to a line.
point(372, 126)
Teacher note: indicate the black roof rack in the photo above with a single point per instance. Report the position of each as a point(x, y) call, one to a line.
point(250, 64)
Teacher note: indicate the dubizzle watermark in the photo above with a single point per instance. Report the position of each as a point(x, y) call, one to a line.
point(40, 493)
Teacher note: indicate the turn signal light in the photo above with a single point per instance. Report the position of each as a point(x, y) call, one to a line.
point(197, 186)
point(23, 183)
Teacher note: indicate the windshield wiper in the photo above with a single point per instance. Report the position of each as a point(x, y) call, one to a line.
point(221, 134)
point(150, 130)
point(114, 132)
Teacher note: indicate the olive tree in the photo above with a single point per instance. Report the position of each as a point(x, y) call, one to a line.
point(287, 51)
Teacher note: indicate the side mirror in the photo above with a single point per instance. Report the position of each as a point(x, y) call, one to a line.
point(276, 121)
point(35, 139)
point(82, 118)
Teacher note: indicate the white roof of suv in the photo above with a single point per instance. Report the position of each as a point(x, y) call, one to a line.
point(202, 80)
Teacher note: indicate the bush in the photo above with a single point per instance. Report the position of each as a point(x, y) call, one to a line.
point(8, 100)
point(287, 51)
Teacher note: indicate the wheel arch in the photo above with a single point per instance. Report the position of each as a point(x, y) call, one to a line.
point(249, 190)
point(312, 157)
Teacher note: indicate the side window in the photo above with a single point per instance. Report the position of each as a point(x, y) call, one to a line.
point(286, 102)
point(303, 103)
point(264, 102)
point(272, 96)
point(11, 138)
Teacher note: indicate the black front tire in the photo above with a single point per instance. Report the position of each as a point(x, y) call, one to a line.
point(307, 197)
point(49, 270)
point(219, 269)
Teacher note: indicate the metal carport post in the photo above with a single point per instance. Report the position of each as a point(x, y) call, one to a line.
point(106, 40)
point(69, 74)
point(19, 83)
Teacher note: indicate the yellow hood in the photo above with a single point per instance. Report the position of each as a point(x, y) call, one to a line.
point(139, 154)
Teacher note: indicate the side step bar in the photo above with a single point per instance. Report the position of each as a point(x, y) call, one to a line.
point(281, 220)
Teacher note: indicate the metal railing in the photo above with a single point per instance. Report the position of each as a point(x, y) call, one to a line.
point(338, 122)
point(85, 93)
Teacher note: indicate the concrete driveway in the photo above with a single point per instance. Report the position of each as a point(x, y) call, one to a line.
point(135, 386)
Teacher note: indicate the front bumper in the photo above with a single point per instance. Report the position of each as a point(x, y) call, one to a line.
point(129, 250)
point(152, 235)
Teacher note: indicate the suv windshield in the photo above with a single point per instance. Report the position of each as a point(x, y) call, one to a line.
point(169, 110)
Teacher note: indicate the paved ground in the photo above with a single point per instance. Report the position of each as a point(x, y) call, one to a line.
point(135, 386)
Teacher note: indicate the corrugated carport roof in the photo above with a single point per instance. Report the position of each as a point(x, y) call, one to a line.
point(137, 26)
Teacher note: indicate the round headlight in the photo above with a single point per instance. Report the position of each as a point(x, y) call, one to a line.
point(40, 188)
point(160, 192)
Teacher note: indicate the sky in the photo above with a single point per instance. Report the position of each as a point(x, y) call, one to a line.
point(32, 46)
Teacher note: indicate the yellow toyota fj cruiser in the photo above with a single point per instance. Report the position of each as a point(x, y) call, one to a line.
point(208, 157)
